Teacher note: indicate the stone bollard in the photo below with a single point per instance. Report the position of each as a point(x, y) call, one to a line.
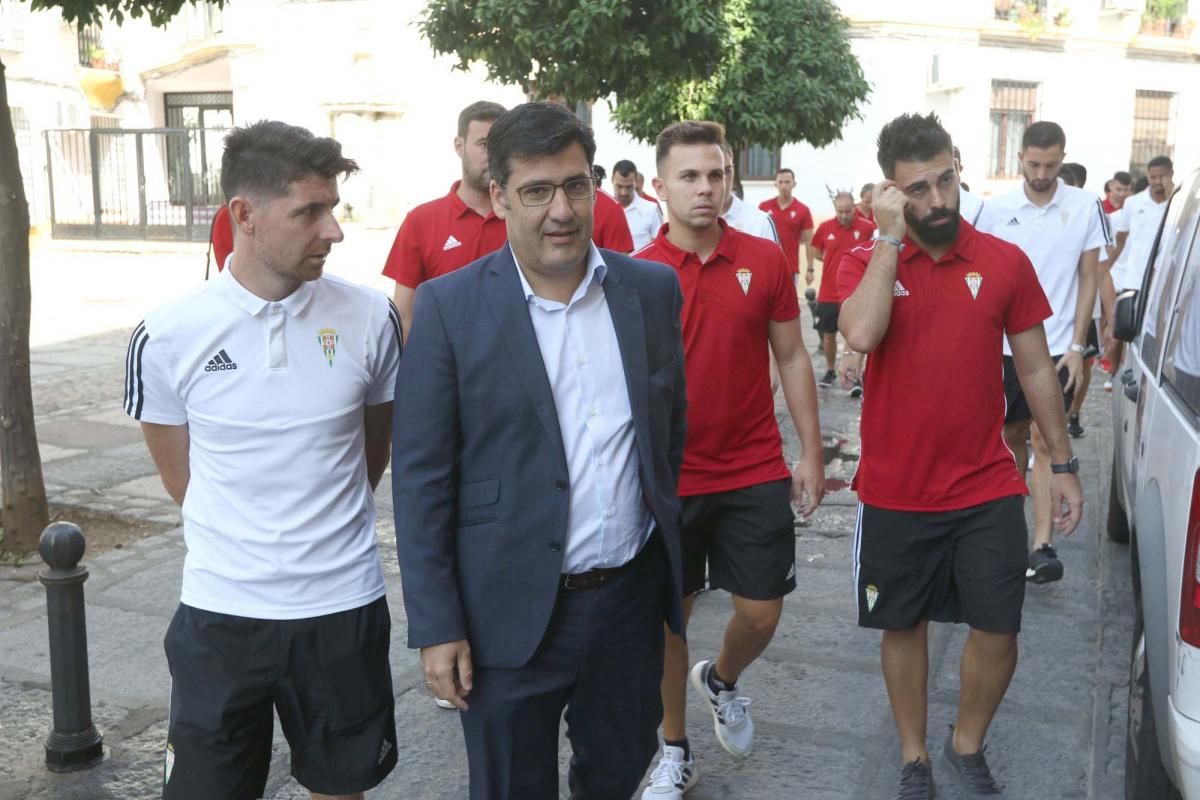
point(73, 743)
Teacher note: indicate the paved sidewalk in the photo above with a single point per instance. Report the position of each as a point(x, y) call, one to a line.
point(823, 727)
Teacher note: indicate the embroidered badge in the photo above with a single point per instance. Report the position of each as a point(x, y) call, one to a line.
point(974, 281)
point(872, 596)
point(856, 236)
point(328, 338)
point(1066, 215)
point(743, 276)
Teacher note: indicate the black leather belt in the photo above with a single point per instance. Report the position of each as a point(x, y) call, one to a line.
point(593, 577)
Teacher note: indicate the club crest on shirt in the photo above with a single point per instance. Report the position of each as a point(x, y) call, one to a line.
point(328, 338)
point(1066, 215)
point(872, 593)
point(856, 236)
point(743, 276)
point(974, 281)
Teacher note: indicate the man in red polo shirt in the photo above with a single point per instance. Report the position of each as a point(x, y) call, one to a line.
point(941, 530)
point(736, 489)
point(450, 232)
point(863, 209)
point(832, 238)
point(793, 221)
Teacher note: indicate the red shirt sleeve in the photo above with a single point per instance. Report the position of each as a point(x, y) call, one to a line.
point(1028, 304)
point(405, 262)
point(222, 236)
point(784, 305)
point(851, 269)
point(806, 221)
point(611, 229)
point(818, 242)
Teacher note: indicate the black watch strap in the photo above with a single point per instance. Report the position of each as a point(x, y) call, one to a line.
point(1071, 465)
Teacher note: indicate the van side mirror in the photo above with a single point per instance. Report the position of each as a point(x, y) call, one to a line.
point(1125, 316)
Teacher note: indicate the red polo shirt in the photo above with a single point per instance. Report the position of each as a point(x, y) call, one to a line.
point(728, 302)
point(440, 236)
point(222, 236)
point(1108, 207)
point(790, 223)
point(932, 418)
point(858, 212)
point(831, 240)
point(611, 227)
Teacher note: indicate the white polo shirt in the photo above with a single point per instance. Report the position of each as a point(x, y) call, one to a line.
point(1054, 237)
point(1139, 217)
point(644, 220)
point(748, 219)
point(970, 207)
point(279, 517)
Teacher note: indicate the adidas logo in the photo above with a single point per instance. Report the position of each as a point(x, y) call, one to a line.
point(451, 243)
point(220, 362)
point(1014, 221)
point(899, 290)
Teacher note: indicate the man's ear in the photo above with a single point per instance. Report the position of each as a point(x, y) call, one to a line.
point(499, 207)
point(241, 213)
point(659, 187)
point(460, 145)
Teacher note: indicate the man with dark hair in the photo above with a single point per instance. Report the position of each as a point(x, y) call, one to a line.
point(540, 414)
point(644, 217)
point(832, 239)
point(740, 214)
point(740, 308)
point(1062, 230)
point(863, 208)
point(265, 397)
point(793, 222)
point(1116, 190)
point(445, 234)
point(941, 532)
point(1078, 173)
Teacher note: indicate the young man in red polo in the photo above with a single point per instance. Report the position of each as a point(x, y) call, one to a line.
point(793, 222)
point(442, 235)
point(736, 489)
point(941, 528)
point(832, 238)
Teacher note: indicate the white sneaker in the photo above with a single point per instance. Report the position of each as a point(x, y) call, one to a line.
point(446, 704)
point(731, 720)
point(672, 777)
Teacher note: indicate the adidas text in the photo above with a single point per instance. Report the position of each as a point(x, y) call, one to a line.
point(211, 367)
point(220, 363)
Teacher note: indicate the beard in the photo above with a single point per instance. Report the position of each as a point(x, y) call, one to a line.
point(1043, 185)
point(479, 181)
point(928, 232)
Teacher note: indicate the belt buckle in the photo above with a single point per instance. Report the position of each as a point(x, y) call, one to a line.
point(566, 582)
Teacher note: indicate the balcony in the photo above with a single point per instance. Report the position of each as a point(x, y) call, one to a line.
point(92, 51)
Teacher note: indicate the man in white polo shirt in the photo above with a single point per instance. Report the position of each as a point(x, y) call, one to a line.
point(1062, 230)
point(644, 217)
point(265, 399)
point(740, 214)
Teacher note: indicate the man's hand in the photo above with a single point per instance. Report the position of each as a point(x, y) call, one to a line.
point(889, 204)
point(851, 369)
point(447, 669)
point(808, 484)
point(1073, 363)
point(1065, 490)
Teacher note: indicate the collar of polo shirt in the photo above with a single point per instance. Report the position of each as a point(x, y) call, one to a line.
point(252, 304)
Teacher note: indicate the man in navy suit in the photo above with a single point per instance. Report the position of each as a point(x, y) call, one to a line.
point(539, 431)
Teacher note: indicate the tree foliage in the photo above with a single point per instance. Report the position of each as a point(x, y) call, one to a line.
point(787, 74)
point(579, 49)
point(159, 12)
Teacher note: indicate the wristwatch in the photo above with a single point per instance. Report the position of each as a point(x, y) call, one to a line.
point(1069, 466)
point(1078, 348)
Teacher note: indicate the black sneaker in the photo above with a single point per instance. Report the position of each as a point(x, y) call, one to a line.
point(827, 379)
point(970, 772)
point(1073, 426)
point(856, 390)
point(916, 782)
point(1044, 566)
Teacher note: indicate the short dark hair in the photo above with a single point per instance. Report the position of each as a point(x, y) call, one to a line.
point(479, 111)
point(1044, 135)
point(867, 187)
point(1140, 184)
point(1108, 186)
point(263, 159)
point(1068, 176)
point(1160, 161)
point(1122, 177)
point(1080, 172)
point(782, 170)
point(599, 172)
point(689, 131)
point(535, 129)
point(625, 168)
point(911, 137)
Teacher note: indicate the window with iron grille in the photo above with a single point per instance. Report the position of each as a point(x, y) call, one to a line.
point(24, 135)
point(758, 163)
point(1153, 113)
point(1014, 105)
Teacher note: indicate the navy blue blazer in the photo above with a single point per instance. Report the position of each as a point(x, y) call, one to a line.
point(479, 475)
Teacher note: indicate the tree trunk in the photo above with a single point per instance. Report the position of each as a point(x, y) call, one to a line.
point(738, 189)
point(23, 511)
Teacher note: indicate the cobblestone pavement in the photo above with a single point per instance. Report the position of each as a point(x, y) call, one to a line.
point(823, 726)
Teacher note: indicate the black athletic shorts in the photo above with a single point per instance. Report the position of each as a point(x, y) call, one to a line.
point(825, 318)
point(1092, 348)
point(746, 537)
point(1016, 408)
point(328, 678)
point(947, 566)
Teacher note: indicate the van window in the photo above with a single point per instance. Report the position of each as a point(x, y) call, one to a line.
point(1181, 365)
point(1177, 234)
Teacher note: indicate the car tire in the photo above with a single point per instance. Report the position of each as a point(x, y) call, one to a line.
point(1145, 776)
point(1118, 523)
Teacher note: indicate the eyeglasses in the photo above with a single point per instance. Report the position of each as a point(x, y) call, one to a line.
point(541, 194)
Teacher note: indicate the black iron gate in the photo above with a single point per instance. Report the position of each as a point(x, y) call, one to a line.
point(117, 183)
